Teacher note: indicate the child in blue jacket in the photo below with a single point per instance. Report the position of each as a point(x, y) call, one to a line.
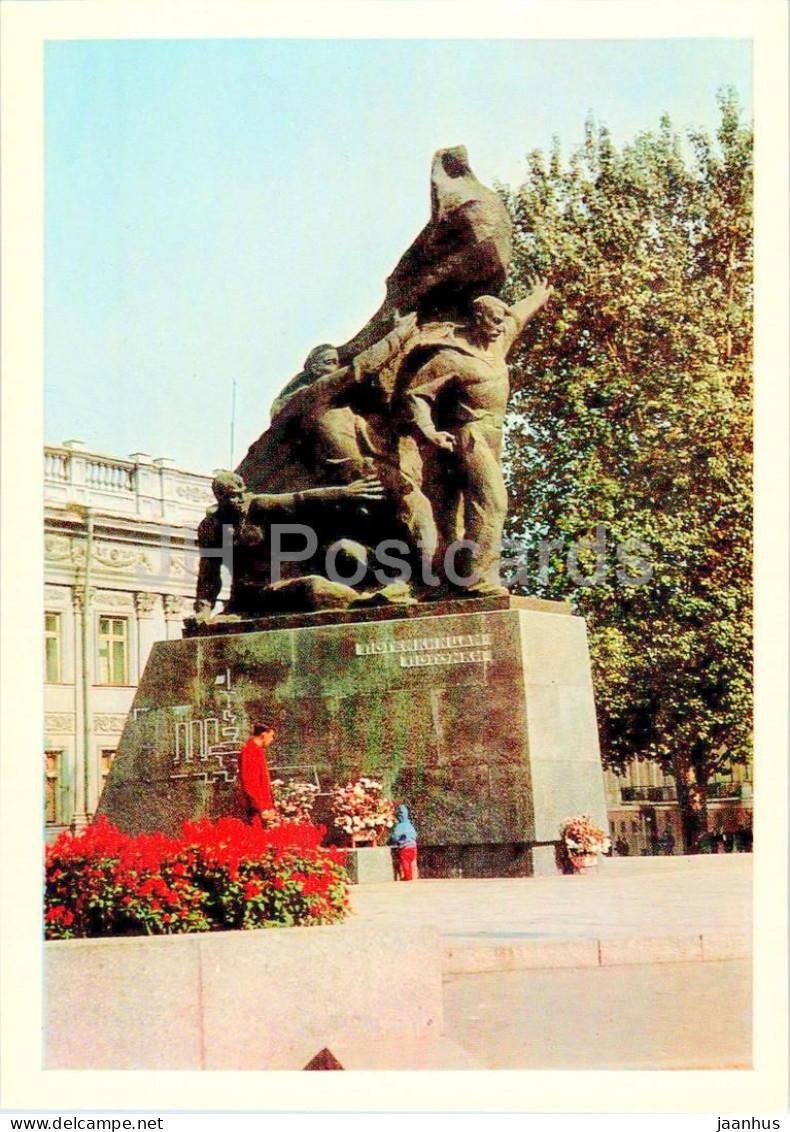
point(404, 839)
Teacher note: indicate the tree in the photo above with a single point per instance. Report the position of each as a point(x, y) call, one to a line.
point(631, 427)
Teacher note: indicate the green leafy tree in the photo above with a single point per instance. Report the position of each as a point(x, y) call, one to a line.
point(630, 434)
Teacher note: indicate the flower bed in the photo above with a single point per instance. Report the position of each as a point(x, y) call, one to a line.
point(215, 877)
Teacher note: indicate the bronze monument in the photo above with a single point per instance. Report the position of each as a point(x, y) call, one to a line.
point(367, 618)
point(413, 407)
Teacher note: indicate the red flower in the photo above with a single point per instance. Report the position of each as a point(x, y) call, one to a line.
point(193, 882)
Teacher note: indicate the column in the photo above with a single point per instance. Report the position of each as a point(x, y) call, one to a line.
point(145, 606)
point(85, 755)
point(174, 615)
point(77, 769)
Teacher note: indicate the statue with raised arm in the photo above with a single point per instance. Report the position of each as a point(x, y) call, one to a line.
point(452, 399)
point(416, 401)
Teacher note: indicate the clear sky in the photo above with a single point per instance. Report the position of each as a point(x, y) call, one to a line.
point(214, 208)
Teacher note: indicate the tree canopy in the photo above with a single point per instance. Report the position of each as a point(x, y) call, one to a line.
point(631, 428)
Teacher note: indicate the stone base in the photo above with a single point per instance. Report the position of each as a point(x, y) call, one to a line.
point(370, 865)
point(222, 624)
point(267, 999)
point(482, 722)
point(503, 860)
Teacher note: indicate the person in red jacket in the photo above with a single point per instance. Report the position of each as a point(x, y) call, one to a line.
point(254, 773)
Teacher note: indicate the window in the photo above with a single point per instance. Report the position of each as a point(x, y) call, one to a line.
point(107, 756)
point(52, 647)
point(54, 800)
point(113, 650)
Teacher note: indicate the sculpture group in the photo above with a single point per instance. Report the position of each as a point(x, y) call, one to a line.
point(379, 478)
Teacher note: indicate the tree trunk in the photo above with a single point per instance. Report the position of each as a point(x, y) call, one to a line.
point(692, 800)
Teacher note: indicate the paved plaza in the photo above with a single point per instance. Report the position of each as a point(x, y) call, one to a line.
point(633, 910)
point(644, 965)
point(652, 1016)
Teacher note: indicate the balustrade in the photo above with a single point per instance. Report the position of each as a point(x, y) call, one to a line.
point(140, 486)
point(108, 475)
point(56, 466)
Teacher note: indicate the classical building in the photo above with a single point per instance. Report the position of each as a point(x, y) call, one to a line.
point(120, 568)
point(642, 807)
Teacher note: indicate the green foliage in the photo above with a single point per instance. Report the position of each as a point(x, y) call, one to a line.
point(631, 407)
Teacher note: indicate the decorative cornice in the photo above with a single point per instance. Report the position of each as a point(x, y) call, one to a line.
point(112, 556)
point(113, 724)
point(183, 566)
point(115, 600)
point(146, 604)
point(174, 606)
point(116, 557)
point(195, 493)
point(57, 548)
point(59, 723)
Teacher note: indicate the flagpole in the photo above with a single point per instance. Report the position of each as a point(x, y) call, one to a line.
point(232, 423)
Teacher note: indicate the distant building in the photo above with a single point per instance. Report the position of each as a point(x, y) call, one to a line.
point(643, 805)
point(120, 568)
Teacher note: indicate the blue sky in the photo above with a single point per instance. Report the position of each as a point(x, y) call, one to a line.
point(214, 208)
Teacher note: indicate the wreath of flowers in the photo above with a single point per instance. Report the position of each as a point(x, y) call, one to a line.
point(360, 807)
point(582, 837)
point(293, 802)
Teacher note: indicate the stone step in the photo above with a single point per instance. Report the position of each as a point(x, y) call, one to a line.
point(480, 955)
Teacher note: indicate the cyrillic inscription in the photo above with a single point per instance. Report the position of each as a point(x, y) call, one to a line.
point(428, 652)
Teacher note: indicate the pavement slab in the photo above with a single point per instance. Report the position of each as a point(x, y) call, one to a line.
point(630, 911)
point(669, 1016)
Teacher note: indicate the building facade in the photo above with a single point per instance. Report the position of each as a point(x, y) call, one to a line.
point(643, 810)
point(120, 571)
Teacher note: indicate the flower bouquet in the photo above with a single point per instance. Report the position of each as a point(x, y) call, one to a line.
point(582, 842)
point(360, 809)
point(293, 802)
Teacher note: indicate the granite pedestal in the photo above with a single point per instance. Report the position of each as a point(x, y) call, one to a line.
point(481, 720)
point(370, 865)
